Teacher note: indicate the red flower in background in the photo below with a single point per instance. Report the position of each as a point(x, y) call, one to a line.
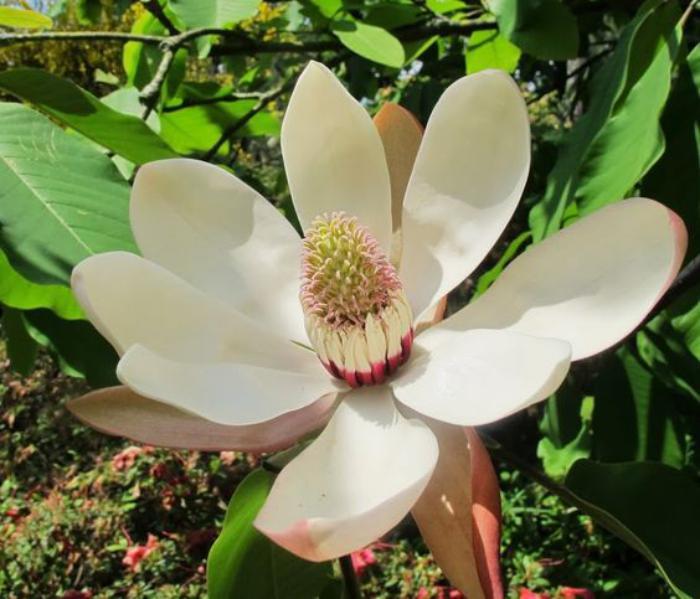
point(528, 594)
point(136, 553)
point(572, 593)
point(362, 559)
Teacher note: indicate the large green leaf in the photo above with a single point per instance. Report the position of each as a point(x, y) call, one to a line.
point(675, 178)
point(545, 29)
point(75, 107)
point(595, 164)
point(81, 350)
point(213, 13)
point(61, 200)
point(369, 41)
point(19, 344)
point(491, 50)
point(651, 506)
point(17, 292)
point(21, 18)
point(244, 563)
point(635, 417)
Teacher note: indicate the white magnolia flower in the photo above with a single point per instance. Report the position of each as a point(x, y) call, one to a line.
point(220, 340)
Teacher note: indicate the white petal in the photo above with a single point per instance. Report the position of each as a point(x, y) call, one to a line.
point(469, 174)
point(222, 236)
point(227, 393)
point(480, 376)
point(354, 483)
point(334, 156)
point(131, 300)
point(591, 283)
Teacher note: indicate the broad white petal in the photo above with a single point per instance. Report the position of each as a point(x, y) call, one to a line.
point(469, 174)
point(352, 484)
point(333, 155)
point(227, 393)
point(480, 376)
point(122, 412)
point(132, 300)
point(591, 283)
point(223, 237)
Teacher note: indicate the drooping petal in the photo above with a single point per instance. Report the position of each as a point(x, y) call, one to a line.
point(333, 156)
point(227, 393)
point(401, 134)
point(444, 511)
point(122, 412)
point(132, 300)
point(591, 283)
point(479, 376)
point(352, 484)
point(208, 227)
point(469, 174)
point(486, 516)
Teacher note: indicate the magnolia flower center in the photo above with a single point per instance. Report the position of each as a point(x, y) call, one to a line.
point(356, 312)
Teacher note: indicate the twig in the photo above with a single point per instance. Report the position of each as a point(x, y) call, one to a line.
point(232, 97)
point(154, 7)
point(149, 94)
point(243, 121)
point(244, 45)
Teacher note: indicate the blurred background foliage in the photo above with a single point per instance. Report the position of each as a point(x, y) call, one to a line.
point(606, 468)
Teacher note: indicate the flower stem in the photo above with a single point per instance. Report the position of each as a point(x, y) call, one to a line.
point(352, 585)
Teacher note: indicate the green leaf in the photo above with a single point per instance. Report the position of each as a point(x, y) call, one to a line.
point(545, 29)
point(441, 7)
point(61, 200)
point(594, 164)
point(651, 506)
point(491, 50)
point(370, 42)
point(628, 392)
point(485, 280)
point(17, 292)
point(244, 563)
point(88, 11)
point(213, 13)
point(75, 107)
point(675, 178)
point(566, 424)
point(82, 352)
point(20, 18)
point(197, 128)
point(21, 348)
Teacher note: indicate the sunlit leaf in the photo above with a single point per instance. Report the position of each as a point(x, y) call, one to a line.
point(622, 91)
point(371, 42)
point(21, 18)
point(491, 50)
point(18, 292)
point(61, 200)
point(244, 563)
point(213, 13)
point(75, 107)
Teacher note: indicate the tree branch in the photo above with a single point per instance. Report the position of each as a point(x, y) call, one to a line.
point(154, 7)
point(238, 45)
point(243, 121)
